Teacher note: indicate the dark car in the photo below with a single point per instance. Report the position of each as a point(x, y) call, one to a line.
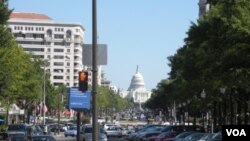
point(17, 137)
point(16, 129)
point(43, 138)
point(33, 130)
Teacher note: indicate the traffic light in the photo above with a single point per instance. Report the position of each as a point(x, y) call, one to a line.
point(83, 81)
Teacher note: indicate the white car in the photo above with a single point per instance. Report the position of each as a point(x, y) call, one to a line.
point(86, 134)
point(106, 126)
point(114, 131)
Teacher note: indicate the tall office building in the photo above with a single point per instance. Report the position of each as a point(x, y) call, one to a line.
point(60, 44)
point(203, 7)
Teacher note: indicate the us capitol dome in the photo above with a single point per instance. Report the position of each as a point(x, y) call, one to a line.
point(137, 91)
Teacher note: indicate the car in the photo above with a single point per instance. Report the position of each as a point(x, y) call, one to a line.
point(86, 134)
point(56, 128)
point(180, 136)
point(17, 129)
point(72, 131)
point(114, 131)
point(33, 130)
point(107, 125)
point(43, 138)
point(194, 136)
point(17, 137)
point(161, 137)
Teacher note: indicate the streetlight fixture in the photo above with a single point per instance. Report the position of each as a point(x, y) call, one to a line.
point(203, 94)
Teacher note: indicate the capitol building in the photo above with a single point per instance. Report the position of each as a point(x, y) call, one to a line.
point(137, 91)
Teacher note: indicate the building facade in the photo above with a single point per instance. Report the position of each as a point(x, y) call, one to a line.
point(137, 91)
point(203, 7)
point(60, 44)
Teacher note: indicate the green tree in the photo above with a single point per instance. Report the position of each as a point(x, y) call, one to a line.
point(215, 54)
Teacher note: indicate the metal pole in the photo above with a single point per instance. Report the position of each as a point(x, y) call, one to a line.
point(78, 126)
point(44, 94)
point(95, 134)
point(58, 116)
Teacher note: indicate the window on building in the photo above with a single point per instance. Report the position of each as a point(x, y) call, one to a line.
point(58, 63)
point(58, 77)
point(58, 70)
point(58, 57)
point(34, 49)
point(38, 56)
point(57, 84)
point(68, 34)
point(58, 36)
point(58, 50)
point(49, 33)
point(48, 43)
point(59, 43)
point(29, 35)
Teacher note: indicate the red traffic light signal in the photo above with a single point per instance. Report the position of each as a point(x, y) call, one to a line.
point(83, 81)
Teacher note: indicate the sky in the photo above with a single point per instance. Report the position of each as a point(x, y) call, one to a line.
point(137, 32)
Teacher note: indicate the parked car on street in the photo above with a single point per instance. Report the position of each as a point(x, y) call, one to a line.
point(86, 134)
point(16, 129)
point(72, 131)
point(114, 131)
point(180, 136)
point(43, 138)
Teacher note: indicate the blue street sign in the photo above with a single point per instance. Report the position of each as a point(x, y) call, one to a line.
point(78, 100)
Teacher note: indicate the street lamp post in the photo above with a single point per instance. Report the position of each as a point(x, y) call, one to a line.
point(184, 118)
point(203, 95)
point(43, 105)
point(95, 134)
point(222, 92)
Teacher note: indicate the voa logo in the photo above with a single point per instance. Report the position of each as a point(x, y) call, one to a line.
point(236, 132)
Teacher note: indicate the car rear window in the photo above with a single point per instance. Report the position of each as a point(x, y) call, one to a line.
point(16, 128)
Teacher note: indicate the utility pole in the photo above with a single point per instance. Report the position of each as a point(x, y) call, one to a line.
point(95, 134)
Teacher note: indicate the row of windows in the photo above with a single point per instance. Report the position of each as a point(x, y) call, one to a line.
point(38, 56)
point(34, 49)
point(59, 29)
point(58, 57)
point(44, 43)
point(59, 50)
point(28, 28)
point(58, 77)
point(60, 70)
point(32, 28)
point(30, 43)
point(58, 36)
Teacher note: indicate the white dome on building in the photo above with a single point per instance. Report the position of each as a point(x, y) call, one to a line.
point(137, 82)
point(137, 91)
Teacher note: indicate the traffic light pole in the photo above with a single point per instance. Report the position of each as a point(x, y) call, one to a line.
point(95, 134)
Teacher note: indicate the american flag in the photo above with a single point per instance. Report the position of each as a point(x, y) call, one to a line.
point(43, 107)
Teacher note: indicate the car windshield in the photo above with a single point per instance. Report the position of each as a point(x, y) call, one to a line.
point(73, 128)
